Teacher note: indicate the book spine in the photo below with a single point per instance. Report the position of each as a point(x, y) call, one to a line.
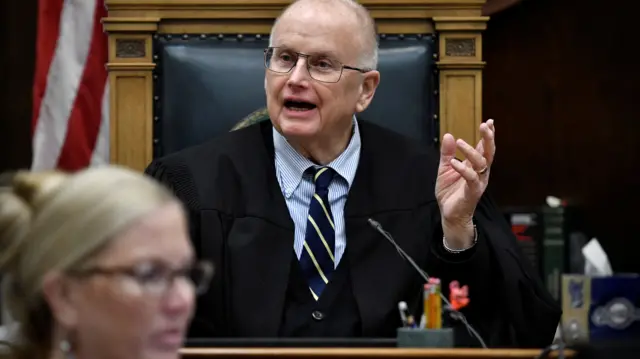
point(553, 244)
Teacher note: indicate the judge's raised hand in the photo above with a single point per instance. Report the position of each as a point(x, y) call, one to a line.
point(460, 185)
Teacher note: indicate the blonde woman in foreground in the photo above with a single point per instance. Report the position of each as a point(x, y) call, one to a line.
point(96, 265)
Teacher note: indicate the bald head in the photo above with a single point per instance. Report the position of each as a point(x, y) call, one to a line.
point(356, 19)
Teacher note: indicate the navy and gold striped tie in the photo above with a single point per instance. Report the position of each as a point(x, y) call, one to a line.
point(317, 259)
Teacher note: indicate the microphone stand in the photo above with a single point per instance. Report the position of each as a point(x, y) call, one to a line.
point(452, 312)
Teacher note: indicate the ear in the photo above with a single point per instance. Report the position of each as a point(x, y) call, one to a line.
point(59, 293)
point(368, 89)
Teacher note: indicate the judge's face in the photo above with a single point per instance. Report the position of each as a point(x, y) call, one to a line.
point(311, 102)
point(137, 304)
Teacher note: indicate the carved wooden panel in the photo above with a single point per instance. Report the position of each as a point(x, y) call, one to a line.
point(461, 47)
point(128, 48)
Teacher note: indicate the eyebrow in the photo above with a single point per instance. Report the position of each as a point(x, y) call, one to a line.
point(184, 262)
point(327, 53)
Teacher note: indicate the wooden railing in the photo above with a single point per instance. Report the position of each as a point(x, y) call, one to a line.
point(344, 353)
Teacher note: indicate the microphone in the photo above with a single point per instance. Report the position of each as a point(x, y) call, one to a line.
point(452, 312)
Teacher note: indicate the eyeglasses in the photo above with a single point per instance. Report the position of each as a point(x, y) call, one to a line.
point(321, 68)
point(156, 278)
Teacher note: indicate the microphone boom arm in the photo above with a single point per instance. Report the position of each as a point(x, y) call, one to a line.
point(452, 312)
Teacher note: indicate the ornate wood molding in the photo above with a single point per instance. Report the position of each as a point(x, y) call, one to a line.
point(460, 47)
point(229, 16)
point(272, 8)
point(130, 48)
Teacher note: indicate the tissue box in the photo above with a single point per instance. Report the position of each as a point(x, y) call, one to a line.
point(600, 308)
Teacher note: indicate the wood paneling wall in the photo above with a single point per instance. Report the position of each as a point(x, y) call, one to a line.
point(561, 83)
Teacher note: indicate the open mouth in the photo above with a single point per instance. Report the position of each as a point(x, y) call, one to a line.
point(299, 105)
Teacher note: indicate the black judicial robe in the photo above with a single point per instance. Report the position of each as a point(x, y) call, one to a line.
point(239, 220)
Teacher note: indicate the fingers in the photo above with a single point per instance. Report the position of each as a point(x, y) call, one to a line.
point(475, 158)
point(491, 125)
point(478, 158)
point(448, 148)
point(488, 144)
point(468, 173)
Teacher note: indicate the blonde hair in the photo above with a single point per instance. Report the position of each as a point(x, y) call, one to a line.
point(51, 221)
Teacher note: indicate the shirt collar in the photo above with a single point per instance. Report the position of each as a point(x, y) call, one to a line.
point(292, 164)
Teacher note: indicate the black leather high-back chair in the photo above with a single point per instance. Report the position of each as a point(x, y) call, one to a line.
point(205, 85)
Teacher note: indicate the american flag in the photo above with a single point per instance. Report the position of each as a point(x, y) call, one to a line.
point(70, 128)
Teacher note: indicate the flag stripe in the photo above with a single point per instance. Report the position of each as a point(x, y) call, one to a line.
point(49, 13)
point(86, 116)
point(71, 106)
point(63, 81)
point(101, 150)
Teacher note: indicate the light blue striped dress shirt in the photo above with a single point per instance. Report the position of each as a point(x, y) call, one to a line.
point(298, 187)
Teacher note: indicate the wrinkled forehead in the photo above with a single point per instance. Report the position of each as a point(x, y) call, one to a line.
point(314, 30)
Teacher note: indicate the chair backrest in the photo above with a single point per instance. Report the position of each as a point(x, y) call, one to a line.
point(183, 72)
point(207, 85)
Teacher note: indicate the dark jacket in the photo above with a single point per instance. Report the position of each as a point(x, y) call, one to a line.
point(239, 219)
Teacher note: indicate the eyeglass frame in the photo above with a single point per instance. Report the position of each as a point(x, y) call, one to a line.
point(300, 54)
point(169, 280)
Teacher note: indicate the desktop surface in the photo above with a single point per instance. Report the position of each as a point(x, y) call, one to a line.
point(381, 347)
point(291, 343)
point(363, 353)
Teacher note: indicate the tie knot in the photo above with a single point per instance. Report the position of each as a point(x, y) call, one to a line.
point(322, 177)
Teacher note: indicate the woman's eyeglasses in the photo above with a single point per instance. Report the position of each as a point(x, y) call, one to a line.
point(156, 278)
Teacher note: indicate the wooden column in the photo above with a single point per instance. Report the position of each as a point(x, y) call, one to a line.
point(460, 65)
point(130, 69)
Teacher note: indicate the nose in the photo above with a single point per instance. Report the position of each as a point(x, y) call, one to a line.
point(299, 74)
point(180, 297)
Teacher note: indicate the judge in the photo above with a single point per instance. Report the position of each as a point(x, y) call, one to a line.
point(282, 206)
